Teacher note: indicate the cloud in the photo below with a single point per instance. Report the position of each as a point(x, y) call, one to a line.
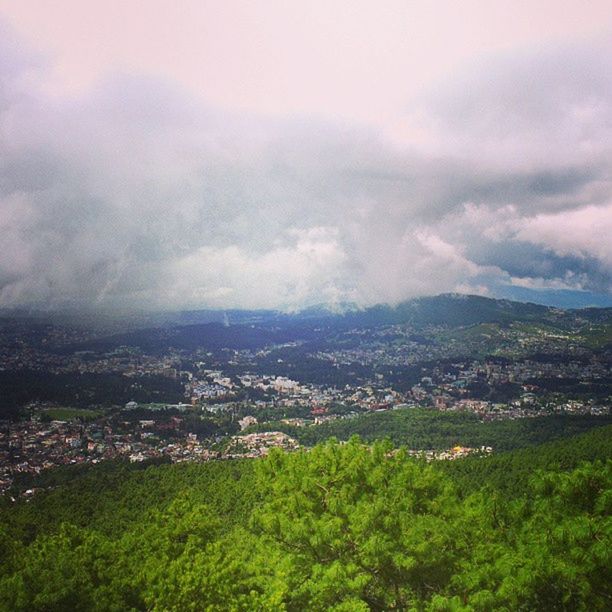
point(582, 233)
point(544, 108)
point(139, 193)
point(284, 275)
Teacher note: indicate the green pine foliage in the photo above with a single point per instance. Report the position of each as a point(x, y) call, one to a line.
point(344, 526)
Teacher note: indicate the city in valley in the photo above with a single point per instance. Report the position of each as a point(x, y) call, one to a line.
point(166, 391)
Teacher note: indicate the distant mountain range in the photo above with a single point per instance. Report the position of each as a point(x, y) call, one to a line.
point(449, 308)
point(236, 329)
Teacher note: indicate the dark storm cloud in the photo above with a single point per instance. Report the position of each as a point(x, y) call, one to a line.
point(526, 260)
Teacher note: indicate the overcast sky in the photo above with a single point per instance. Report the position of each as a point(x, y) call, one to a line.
point(286, 153)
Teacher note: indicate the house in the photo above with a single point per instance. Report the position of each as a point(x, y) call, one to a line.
point(247, 421)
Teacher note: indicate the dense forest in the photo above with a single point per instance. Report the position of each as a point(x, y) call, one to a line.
point(344, 526)
point(19, 387)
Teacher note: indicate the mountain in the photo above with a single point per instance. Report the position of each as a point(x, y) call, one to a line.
point(451, 309)
point(256, 329)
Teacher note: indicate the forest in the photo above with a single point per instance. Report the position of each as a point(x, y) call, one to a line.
point(19, 387)
point(343, 526)
point(430, 429)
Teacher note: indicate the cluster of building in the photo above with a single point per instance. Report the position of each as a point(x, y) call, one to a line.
point(28, 447)
point(449, 388)
point(442, 388)
point(212, 384)
point(126, 361)
point(457, 452)
point(399, 345)
point(525, 407)
point(229, 386)
point(258, 444)
point(391, 345)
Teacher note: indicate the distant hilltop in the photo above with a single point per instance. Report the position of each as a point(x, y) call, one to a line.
point(255, 329)
point(447, 308)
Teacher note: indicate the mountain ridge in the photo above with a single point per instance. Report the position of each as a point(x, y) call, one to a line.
point(273, 327)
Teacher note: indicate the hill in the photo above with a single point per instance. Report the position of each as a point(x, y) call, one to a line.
point(270, 328)
point(342, 527)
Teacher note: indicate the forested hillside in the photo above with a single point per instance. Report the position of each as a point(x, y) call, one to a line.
point(428, 429)
point(343, 527)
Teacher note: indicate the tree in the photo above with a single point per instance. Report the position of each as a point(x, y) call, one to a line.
point(359, 524)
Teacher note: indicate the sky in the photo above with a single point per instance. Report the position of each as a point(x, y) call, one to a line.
point(281, 154)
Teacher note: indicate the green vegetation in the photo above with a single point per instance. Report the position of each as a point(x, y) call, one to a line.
point(597, 336)
point(340, 527)
point(510, 472)
point(20, 387)
point(70, 414)
point(482, 331)
point(420, 428)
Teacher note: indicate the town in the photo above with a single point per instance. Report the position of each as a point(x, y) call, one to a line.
point(76, 395)
point(216, 416)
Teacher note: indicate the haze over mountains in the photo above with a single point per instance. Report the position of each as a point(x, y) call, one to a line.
point(239, 329)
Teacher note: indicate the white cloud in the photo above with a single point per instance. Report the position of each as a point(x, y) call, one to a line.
point(586, 232)
point(571, 282)
point(307, 271)
point(137, 192)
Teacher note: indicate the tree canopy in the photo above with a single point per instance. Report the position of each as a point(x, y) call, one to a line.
point(344, 526)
